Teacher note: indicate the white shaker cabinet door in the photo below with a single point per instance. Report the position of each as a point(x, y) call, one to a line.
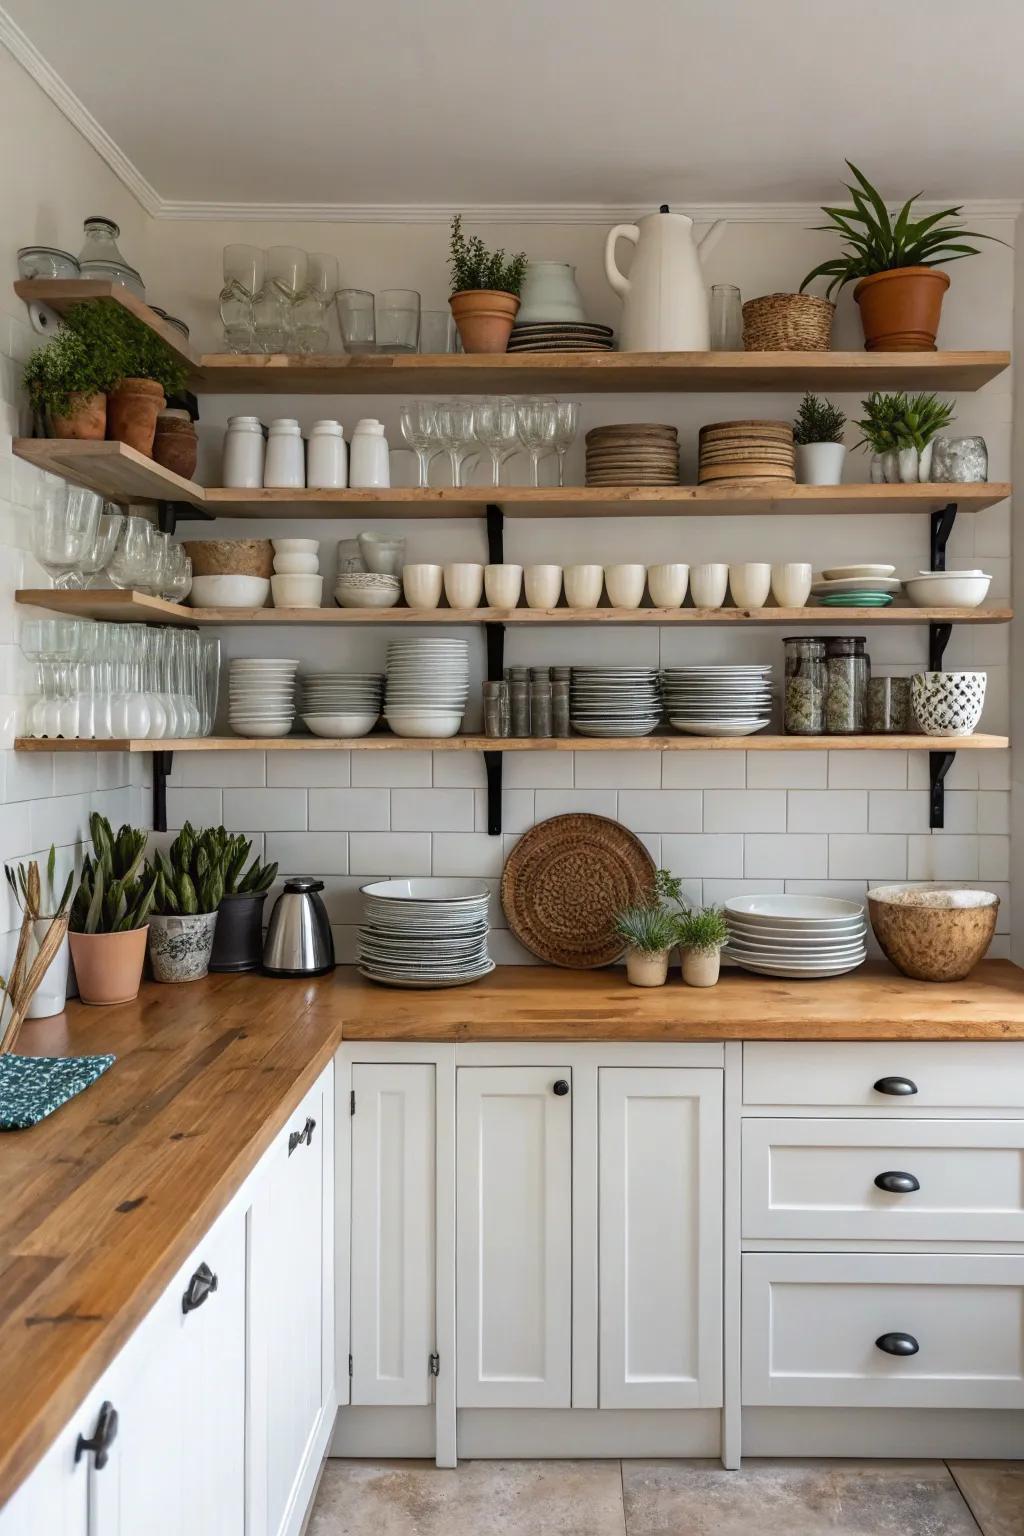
point(53, 1499)
point(514, 1237)
point(392, 1305)
point(660, 1261)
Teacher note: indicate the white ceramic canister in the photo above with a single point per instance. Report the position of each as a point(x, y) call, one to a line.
point(285, 466)
point(369, 460)
point(244, 450)
point(327, 457)
point(549, 293)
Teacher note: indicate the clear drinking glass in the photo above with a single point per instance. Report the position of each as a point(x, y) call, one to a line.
point(287, 272)
point(64, 526)
point(135, 561)
point(419, 428)
point(567, 421)
point(726, 318)
point(455, 433)
point(244, 267)
point(96, 559)
point(495, 428)
point(209, 682)
point(537, 421)
point(310, 309)
point(397, 313)
point(437, 331)
point(356, 320)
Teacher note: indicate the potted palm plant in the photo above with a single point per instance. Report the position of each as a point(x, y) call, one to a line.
point(702, 933)
point(110, 915)
point(42, 906)
point(818, 435)
point(189, 885)
point(67, 385)
point(899, 429)
point(485, 291)
point(892, 258)
point(238, 937)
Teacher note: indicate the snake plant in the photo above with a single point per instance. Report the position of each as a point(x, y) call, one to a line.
point(112, 897)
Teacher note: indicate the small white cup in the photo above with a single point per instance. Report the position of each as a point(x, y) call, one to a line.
point(791, 584)
point(422, 585)
point(583, 585)
point(667, 584)
point(625, 585)
point(503, 584)
point(297, 591)
point(464, 584)
point(297, 565)
point(708, 585)
point(543, 585)
point(750, 584)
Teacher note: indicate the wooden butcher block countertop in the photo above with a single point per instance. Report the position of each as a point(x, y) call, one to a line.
point(102, 1202)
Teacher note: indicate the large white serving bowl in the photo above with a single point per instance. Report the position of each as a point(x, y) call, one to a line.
point(404, 723)
point(341, 725)
point(427, 888)
point(366, 597)
point(261, 727)
point(229, 591)
point(772, 909)
point(948, 589)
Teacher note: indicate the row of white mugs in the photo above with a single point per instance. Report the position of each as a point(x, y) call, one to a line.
point(465, 583)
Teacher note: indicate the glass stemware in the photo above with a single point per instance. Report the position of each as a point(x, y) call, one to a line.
point(135, 561)
point(495, 428)
point(419, 428)
point(310, 309)
point(455, 433)
point(567, 421)
point(243, 279)
point(96, 559)
point(537, 421)
point(63, 529)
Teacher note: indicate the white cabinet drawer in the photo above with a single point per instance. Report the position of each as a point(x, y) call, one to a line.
point(829, 1179)
point(886, 1074)
point(812, 1325)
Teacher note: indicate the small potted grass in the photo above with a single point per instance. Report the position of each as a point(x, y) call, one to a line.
point(485, 291)
point(650, 931)
point(818, 435)
point(701, 936)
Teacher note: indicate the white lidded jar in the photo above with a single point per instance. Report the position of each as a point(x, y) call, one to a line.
point(369, 460)
point(327, 458)
point(244, 450)
point(286, 459)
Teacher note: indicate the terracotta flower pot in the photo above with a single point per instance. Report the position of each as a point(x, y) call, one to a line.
point(485, 318)
point(132, 410)
point(900, 309)
point(108, 966)
point(87, 417)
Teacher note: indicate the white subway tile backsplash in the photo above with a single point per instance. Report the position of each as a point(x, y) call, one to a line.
point(309, 770)
point(718, 892)
point(304, 853)
point(339, 810)
point(703, 854)
point(564, 802)
point(793, 854)
point(867, 856)
point(403, 770)
point(346, 943)
point(703, 770)
point(993, 811)
point(744, 810)
point(29, 775)
point(537, 770)
point(827, 810)
point(261, 810)
point(467, 853)
point(443, 810)
point(661, 810)
point(215, 770)
point(787, 770)
point(950, 857)
point(460, 770)
point(618, 770)
point(202, 807)
point(517, 810)
point(74, 773)
point(389, 854)
point(867, 770)
point(993, 858)
point(505, 949)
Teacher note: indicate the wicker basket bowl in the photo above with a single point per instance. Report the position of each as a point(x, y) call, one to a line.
point(230, 557)
point(787, 322)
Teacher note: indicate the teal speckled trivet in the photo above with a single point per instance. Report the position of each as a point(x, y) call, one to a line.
point(32, 1087)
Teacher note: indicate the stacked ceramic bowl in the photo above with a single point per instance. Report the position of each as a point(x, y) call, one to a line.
point(427, 685)
point(718, 700)
point(424, 933)
point(856, 586)
point(809, 936)
point(614, 701)
point(261, 695)
point(341, 703)
point(366, 589)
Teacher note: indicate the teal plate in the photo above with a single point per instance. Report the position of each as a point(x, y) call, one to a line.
point(32, 1087)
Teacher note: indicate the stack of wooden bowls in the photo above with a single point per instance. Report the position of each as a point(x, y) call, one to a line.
point(746, 450)
point(633, 453)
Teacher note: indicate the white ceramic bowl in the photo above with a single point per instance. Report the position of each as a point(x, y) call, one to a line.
point(229, 591)
point(297, 591)
point(382, 552)
point(947, 589)
point(341, 725)
point(296, 565)
point(948, 703)
point(422, 723)
point(347, 596)
point(296, 546)
point(261, 727)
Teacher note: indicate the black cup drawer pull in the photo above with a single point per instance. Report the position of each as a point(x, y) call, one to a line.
point(102, 1438)
point(897, 1183)
point(297, 1138)
point(202, 1284)
point(897, 1344)
point(896, 1087)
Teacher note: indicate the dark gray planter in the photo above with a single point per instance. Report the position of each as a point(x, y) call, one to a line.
point(238, 941)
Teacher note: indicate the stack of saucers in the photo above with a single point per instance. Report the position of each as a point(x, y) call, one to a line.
point(718, 700)
point(809, 936)
point(633, 453)
point(424, 933)
point(261, 695)
point(559, 336)
point(614, 701)
point(427, 685)
point(856, 586)
point(341, 703)
point(745, 450)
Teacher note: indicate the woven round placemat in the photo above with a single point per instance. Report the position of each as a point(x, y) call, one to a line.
point(565, 880)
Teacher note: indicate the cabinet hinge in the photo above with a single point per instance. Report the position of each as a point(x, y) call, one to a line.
point(350, 1365)
point(352, 1102)
point(435, 1365)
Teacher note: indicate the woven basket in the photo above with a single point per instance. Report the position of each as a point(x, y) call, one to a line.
point(787, 322)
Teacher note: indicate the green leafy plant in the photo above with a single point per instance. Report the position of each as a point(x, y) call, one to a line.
point(132, 350)
point(111, 898)
point(65, 366)
point(704, 929)
point(190, 875)
point(818, 421)
point(233, 852)
point(652, 930)
point(27, 890)
point(892, 422)
point(474, 267)
point(879, 241)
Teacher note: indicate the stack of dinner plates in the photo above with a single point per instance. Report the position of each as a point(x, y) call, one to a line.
point(559, 336)
point(856, 586)
point(811, 936)
point(261, 695)
point(427, 686)
point(746, 450)
point(633, 453)
point(341, 703)
point(614, 701)
point(424, 933)
point(718, 700)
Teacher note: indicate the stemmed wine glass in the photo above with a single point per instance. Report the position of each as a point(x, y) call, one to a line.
point(309, 310)
point(494, 425)
point(455, 433)
point(567, 421)
point(64, 529)
point(537, 421)
point(419, 428)
point(243, 279)
point(96, 559)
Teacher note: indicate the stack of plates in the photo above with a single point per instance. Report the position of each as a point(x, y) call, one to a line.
point(261, 696)
point(719, 700)
point(556, 336)
point(614, 701)
point(856, 586)
point(746, 450)
point(424, 933)
point(633, 453)
point(796, 935)
point(341, 703)
point(426, 688)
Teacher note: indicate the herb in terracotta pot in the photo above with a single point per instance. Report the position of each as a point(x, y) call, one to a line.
point(485, 291)
point(141, 366)
point(899, 430)
point(189, 889)
point(702, 933)
point(67, 385)
point(892, 258)
point(818, 435)
point(238, 938)
point(110, 914)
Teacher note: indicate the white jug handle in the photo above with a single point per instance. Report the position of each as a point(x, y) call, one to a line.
point(627, 232)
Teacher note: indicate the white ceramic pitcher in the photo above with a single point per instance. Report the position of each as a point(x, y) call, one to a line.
point(665, 301)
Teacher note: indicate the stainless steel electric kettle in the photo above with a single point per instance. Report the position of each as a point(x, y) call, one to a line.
point(299, 940)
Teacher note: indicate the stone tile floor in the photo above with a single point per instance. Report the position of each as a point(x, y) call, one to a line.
point(670, 1498)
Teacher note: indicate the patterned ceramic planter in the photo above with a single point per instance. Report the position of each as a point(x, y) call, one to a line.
point(179, 947)
point(948, 703)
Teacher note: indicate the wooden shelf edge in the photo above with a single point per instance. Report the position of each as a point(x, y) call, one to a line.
point(384, 742)
point(62, 293)
point(112, 469)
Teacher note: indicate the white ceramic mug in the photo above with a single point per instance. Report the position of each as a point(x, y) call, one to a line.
point(464, 584)
point(750, 583)
point(625, 585)
point(422, 585)
point(791, 584)
point(583, 585)
point(503, 584)
point(708, 585)
point(667, 584)
point(543, 585)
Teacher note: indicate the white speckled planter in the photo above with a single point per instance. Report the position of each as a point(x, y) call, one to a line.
point(179, 947)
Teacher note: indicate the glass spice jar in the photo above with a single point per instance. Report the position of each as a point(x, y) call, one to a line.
point(889, 705)
point(540, 709)
point(519, 702)
point(560, 717)
point(496, 709)
point(849, 668)
point(805, 686)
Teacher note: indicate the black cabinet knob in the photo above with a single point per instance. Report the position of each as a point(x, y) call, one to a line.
point(897, 1183)
point(102, 1439)
point(201, 1285)
point(561, 1088)
point(297, 1138)
point(896, 1087)
point(897, 1344)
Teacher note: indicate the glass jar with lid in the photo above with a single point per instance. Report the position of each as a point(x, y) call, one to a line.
point(849, 668)
point(100, 257)
point(805, 686)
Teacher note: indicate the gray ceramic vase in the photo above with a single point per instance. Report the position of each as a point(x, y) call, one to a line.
point(179, 947)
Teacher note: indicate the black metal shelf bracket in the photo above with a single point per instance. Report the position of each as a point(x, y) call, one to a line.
point(938, 639)
point(170, 513)
point(942, 526)
point(939, 763)
point(495, 634)
point(162, 763)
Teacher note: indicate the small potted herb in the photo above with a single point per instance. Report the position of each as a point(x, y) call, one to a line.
point(702, 934)
point(67, 385)
point(42, 907)
point(110, 915)
point(238, 937)
point(650, 931)
point(141, 365)
point(818, 434)
point(189, 886)
point(485, 291)
point(899, 430)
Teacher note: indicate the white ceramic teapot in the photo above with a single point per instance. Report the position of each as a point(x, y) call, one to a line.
point(665, 301)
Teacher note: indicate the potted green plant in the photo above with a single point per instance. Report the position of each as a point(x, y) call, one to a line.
point(485, 291)
point(189, 885)
point(142, 368)
point(892, 258)
point(238, 937)
point(110, 915)
point(702, 934)
point(818, 435)
point(42, 905)
point(67, 385)
point(650, 931)
point(899, 429)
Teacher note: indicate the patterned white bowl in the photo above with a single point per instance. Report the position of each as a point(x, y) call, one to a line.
point(948, 703)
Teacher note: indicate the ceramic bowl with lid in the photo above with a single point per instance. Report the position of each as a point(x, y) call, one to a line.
point(46, 261)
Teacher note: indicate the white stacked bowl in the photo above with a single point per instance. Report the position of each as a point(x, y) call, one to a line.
point(614, 701)
point(341, 704)
point(424, 933)
point(798, 936)
point(261, 696)
point(427, 686)
point(718, 700)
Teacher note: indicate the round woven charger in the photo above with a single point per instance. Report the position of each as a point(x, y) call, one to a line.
point(565, 880)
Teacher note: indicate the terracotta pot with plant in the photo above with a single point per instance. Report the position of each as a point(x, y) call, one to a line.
point(485, 291)
point(702, 933)
point(67, 383)
point(189, 889)
point(818, 435)
point(109, 915)
point(141, 367)
point(899, 430)
point(892, 258)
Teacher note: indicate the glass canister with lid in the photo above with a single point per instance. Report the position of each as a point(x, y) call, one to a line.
point(805, 686)
point(101, 258)
point(849, 668)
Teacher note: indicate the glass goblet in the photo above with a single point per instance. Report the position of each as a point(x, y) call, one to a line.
point(567, 421)
point(537, 422)
point(419, 428)
point(455, 433)
point(494, 426)
point(97, 558)
point(63, 529)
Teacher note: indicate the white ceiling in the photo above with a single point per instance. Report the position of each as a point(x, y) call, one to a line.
point(615, 102)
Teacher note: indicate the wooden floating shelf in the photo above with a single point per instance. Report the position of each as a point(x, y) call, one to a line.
point(63, 293)
point(384, 742)
point(114, 470)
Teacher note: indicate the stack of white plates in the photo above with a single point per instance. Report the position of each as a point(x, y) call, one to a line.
point(341, 703)
point(261, 695)
point(719, 700)
point(796, 935)
point(615, 701)
point(426, 688)
point(424, 933)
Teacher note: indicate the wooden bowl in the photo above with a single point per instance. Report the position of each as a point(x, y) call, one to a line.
point(933, 933)
point(231, 557)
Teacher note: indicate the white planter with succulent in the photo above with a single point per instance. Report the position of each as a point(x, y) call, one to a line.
point(818, 435)
point(650, 932)
point(899, 430)
point(702, 934)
